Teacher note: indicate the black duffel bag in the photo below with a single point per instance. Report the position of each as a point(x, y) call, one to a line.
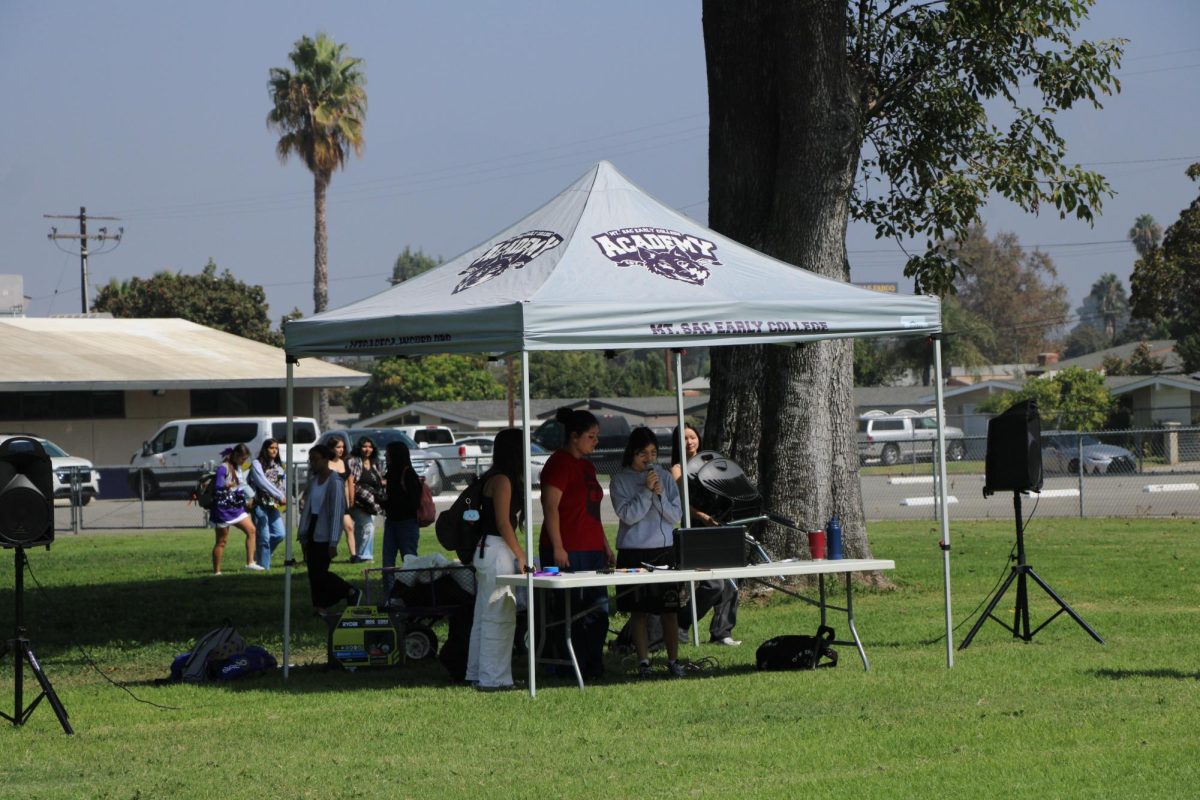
point(798, 652)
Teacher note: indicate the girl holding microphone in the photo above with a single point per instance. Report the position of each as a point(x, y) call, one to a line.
point(646, 500)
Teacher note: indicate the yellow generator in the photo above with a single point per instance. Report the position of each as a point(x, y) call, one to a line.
point(364, 636)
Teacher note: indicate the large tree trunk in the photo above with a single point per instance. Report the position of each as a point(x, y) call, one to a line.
point(321, 278)
point(784, 144)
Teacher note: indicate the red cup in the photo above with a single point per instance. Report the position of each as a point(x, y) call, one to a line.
point(816, 545)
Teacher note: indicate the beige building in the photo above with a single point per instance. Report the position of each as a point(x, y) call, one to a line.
point(99, 387)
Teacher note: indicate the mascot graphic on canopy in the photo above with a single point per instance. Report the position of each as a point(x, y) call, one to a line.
point(515, 252)
point(664, 252)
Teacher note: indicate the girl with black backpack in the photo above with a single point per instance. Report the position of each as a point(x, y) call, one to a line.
point(489, 662)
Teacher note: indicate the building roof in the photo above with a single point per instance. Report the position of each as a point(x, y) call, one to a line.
point(91, 354)
point(886, 398)
point(1163, 349)
point(473, 414)
point(659, 406)
point(1123, 384)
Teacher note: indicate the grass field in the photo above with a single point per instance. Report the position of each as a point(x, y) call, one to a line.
point(1061, 717)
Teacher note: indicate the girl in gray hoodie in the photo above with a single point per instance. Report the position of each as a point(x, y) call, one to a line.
point(646, 500)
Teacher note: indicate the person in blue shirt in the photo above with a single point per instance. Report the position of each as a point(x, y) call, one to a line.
point(268, 478)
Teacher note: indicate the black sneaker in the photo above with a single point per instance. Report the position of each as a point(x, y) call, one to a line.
point(644, 671)
point(675, 669)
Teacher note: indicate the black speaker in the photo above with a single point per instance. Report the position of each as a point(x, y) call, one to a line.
point(710, 548)
point(1014, 450)
point(26, 494)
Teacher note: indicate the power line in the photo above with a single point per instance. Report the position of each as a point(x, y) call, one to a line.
point(84, 237)
point(425, 178)
point(1149, 56)
point(1160, 69)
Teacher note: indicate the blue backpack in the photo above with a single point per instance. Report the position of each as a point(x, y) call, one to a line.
point(252, 661)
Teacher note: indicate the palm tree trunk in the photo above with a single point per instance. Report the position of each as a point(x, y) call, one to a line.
point(321, 277)
point(320, 245)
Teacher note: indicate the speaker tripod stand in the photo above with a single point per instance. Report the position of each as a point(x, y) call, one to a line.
point(1021, 573)
point(22, 654)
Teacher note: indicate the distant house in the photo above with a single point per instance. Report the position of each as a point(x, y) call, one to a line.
point(1150, 400)
point(1154, 399)
point(99, 387)
point(492, 415)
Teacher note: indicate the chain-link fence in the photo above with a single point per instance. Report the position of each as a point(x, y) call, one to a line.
point(1151, 472)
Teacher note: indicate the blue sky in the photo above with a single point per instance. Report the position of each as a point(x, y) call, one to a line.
point(479, 112)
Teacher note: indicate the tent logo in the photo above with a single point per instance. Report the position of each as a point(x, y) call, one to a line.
point(664, 252)
point(515, 252)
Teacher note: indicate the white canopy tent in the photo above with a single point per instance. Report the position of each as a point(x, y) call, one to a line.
point(605, 266)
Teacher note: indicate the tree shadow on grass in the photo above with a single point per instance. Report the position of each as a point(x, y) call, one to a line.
point(317, 678)
point(1122, 674)
point(175, 612)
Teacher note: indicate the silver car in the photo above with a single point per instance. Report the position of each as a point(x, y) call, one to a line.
point(65, 468)
point(485, 443)
point(1062, 451)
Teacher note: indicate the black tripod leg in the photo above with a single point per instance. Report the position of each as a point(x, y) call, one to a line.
point(1021, 612)
point(1063, 605)
point(987, 612)
point(48, 691)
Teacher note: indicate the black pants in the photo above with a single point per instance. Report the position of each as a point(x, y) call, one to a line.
point(325, 587)
point(590, 630)
point(722, 598)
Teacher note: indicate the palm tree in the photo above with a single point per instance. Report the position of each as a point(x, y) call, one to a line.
point(1145, 234)
point(319, 110)
point(1113, 303)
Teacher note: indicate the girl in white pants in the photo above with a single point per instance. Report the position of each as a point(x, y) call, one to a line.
point(489, 661)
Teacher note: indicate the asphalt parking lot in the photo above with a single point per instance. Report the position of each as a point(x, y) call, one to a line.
point(1150, 494)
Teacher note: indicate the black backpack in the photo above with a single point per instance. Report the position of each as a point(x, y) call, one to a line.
point(458, 527)
point(798, 652)
point(205, 492)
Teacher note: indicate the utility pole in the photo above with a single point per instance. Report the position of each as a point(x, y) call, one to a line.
point(83, 238)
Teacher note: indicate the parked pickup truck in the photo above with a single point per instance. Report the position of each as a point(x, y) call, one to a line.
point(456, 461)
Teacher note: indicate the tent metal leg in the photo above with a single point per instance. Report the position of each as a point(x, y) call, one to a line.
point(943, 486)
point(530, 610)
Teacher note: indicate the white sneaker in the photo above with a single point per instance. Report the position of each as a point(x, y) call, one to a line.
point(256, 567)
point(728, 641)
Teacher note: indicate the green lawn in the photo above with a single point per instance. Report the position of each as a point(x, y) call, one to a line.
point(1059, 717)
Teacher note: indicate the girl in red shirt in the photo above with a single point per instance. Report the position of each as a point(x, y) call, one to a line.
point(572, 533)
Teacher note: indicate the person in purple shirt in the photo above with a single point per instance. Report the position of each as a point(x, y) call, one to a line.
point(229, 507)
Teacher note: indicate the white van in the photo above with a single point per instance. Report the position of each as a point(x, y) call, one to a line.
point(181, 450)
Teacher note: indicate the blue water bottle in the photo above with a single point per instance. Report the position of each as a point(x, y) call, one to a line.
point(833, 532)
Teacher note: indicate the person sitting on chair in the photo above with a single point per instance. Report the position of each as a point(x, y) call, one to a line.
point(720, 596)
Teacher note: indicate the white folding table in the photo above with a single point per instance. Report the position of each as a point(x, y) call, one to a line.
point(760, 572)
